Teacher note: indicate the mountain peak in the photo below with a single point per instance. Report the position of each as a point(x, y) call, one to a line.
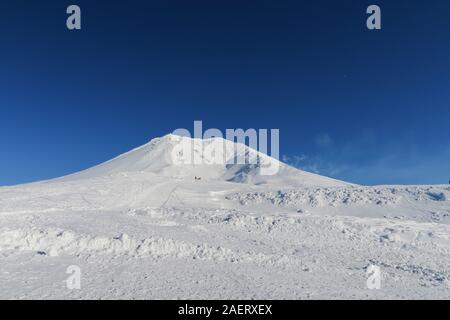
point(214, 159)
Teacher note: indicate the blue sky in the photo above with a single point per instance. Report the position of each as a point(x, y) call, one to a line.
point(369, 107)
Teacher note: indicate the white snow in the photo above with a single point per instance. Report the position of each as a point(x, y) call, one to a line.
point(142, 226)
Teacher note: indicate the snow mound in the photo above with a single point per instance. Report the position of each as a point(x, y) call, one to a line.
point(54, 242)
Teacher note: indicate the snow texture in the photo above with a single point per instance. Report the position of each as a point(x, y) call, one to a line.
point(147, 225)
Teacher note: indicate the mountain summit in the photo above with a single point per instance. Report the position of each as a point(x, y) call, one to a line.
point(214, 159)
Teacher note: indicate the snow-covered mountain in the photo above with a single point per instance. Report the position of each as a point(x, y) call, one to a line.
point(151, 224)
point(166, 157)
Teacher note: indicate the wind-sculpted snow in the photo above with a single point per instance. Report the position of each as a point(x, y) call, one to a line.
point(361, 229)
point(54, 242)
point(339, 196)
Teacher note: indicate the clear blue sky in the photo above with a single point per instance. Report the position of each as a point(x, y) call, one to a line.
point(362, 106)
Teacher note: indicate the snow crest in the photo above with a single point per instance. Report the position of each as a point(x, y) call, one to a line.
point(54, 242)
point(339, 196)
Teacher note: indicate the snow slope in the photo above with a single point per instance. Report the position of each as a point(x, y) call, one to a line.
point(164, 157)
point(142, 226)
